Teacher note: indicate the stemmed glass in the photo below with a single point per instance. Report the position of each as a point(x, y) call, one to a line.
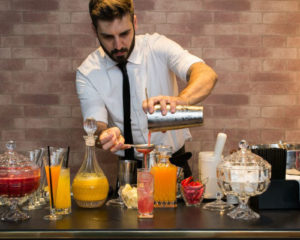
point(52, 165)
point(36, 200)
point(211, 160)
point(218, 204)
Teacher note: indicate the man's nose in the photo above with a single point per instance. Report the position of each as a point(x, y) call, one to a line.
point(117, 43)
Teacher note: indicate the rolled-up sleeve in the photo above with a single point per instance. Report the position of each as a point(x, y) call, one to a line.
point(91, 101)
point(178, 59)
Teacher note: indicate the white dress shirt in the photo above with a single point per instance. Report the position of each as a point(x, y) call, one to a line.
point(153, 64)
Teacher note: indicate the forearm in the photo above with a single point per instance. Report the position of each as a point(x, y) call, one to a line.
point(201, 81)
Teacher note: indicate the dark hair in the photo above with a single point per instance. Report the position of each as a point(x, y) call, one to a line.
point(109, 10)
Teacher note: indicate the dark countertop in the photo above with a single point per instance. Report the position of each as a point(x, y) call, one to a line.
point(181, 222)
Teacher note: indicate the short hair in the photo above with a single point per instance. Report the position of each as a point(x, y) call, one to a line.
point(109, 10)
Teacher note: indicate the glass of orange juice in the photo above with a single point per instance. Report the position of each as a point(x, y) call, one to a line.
point(165, 175)
point(63, 191)
point(52, 162)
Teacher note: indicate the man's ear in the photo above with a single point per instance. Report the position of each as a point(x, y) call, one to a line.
point(135, 23)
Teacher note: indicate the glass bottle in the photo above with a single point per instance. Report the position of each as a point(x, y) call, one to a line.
point(165, 175)
point(90, 185)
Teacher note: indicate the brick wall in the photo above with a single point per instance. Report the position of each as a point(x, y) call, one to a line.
point(254, 46)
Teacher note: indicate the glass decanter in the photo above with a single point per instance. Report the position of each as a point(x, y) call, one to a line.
point(243, 174)
point(90, 185)
point(165, 179)
point(19, 177)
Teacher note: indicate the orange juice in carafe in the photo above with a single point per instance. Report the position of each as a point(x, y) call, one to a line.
point(90, 186)
point(164, 179)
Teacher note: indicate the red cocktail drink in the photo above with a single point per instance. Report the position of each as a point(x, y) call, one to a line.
point(145, 193)
point(18, 183)
point(18, 177)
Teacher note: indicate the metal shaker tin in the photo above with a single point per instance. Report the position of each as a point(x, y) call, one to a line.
point(184, 117)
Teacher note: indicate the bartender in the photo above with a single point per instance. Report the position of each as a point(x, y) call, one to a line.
point(111, 81)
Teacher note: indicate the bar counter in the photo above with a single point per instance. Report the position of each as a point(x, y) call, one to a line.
point(181, 222)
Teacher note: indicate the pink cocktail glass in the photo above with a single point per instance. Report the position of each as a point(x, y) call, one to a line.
point(145, 193)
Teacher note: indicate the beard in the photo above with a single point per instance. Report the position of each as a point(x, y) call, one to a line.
point(123, 58)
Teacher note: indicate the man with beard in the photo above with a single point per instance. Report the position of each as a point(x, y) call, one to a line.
point(152, 62)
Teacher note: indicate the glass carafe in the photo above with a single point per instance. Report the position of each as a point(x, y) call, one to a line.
point(165, 175)
point(90, 185)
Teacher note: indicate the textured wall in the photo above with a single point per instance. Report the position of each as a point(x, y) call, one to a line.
point(254, 46)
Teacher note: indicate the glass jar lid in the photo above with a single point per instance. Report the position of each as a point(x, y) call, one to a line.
point(11, 159)
point(244, 157)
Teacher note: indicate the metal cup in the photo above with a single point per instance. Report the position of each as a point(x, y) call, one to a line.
point(127, 172)
point(184, 117)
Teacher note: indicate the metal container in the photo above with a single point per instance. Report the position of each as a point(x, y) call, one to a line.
point(293, 156)
point(184, 117)
point(127, 172)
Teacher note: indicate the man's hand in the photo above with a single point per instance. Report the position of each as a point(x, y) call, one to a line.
point(201, 80)
point(163, 101)
point(111, 139)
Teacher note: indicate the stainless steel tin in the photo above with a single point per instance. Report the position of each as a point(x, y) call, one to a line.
point(292, 153)
point(127, 172)
point(292, 156)
point(293, 159)
point(266, 146)
point(184, 117)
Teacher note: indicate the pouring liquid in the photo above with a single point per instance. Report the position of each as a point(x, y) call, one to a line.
point(146, 151)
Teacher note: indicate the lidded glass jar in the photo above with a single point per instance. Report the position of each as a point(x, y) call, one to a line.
point(165, 178)
point(244, 175)
point(90, 185)
point(18, 177)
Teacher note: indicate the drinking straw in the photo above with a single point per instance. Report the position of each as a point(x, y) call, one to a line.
point(68, 153)
point(50, 178)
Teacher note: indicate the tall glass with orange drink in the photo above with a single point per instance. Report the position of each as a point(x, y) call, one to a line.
point(55, 171)
point(164, 179)
point(52, 164)
point(63, 192)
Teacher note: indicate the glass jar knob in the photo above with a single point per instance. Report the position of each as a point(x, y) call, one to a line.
point(11, 145)
point(243, 145)
point(90, 126)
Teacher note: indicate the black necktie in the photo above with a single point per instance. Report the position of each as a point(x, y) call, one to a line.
point(129, 153)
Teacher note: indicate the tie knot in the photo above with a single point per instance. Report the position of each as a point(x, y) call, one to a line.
point(122, 65)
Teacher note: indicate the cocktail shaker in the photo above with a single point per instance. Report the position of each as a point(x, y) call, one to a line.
point(184, 117)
